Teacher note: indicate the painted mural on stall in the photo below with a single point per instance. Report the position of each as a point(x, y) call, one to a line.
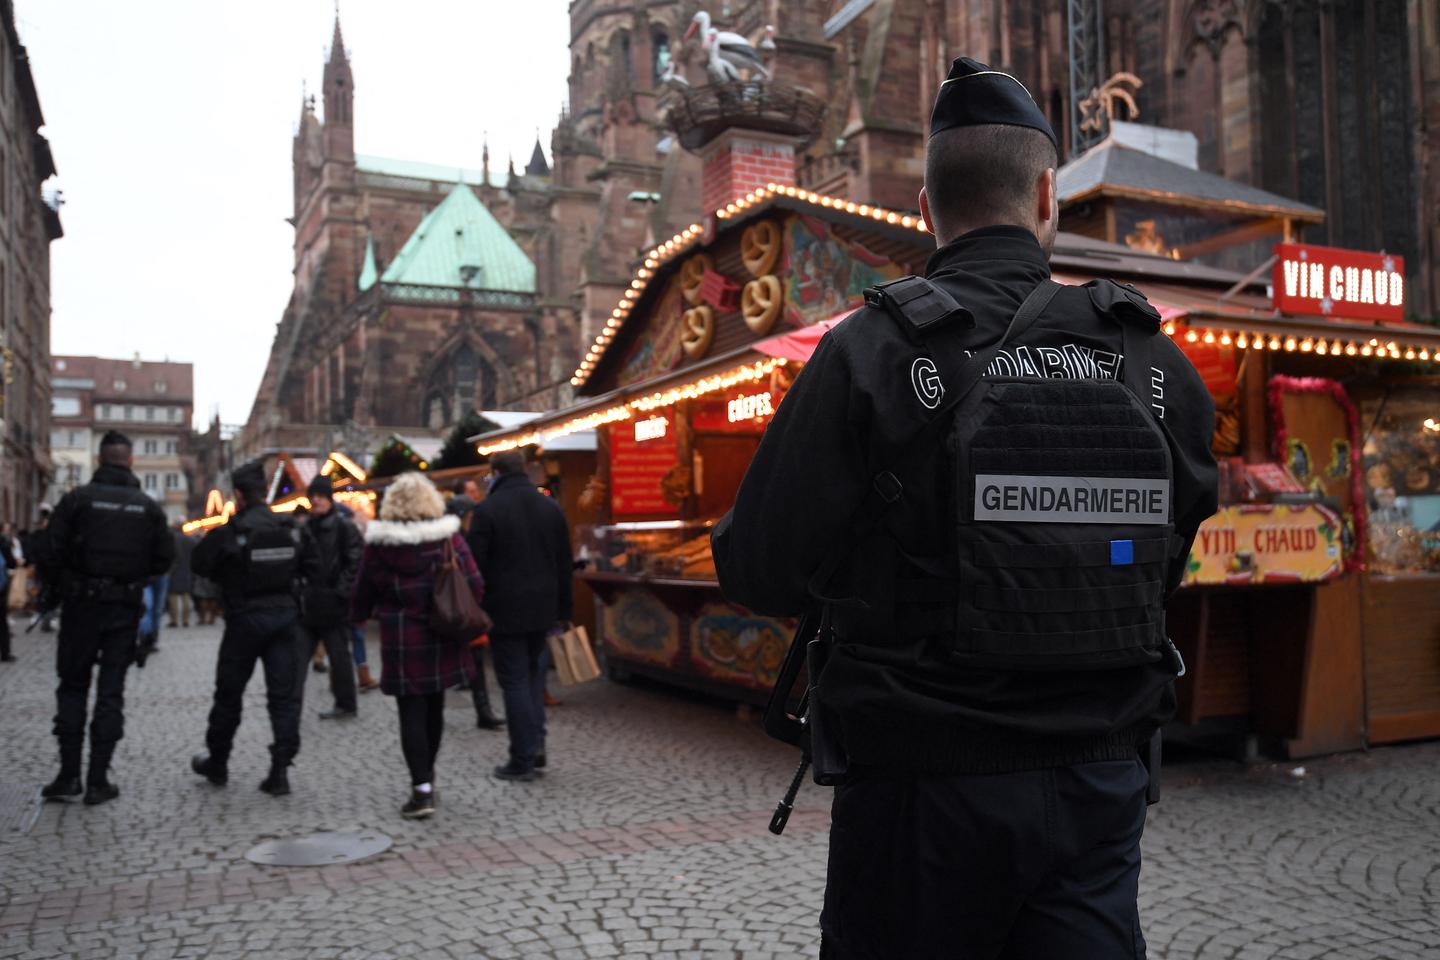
point(825, 274)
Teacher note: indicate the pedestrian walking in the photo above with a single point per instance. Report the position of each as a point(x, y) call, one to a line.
point(990, 658)
point(258, 559)
point(461, 505)
point(101, 544)
point(8, 564)
point(404, 550)
point(365, 680)
point(156, 590)
point(326, 619)
point(522, 547)
point(181, 578)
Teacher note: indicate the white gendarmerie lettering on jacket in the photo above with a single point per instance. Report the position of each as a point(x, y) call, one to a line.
point(1072, 499)
point(272, 554)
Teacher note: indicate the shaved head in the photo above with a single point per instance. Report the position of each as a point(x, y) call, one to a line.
point(989, 175)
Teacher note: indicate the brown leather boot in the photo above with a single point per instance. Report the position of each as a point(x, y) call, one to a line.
point(367, 682)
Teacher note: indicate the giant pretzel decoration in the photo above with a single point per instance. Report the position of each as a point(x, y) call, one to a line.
point(760, 303)
point(697, 331)
point(760, 247)
point(692, 275)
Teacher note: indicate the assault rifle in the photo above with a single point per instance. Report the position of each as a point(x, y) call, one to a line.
point(801, 727)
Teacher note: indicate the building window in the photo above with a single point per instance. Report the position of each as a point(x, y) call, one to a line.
point(65, 406)
point(72, 474)
point(150, 481)
point(177, 414)
point(150, 447)
point(170, 446)
point(149, 413)
point(172, 481)
point(74, 439)
point(119, 384)
point(129, 412)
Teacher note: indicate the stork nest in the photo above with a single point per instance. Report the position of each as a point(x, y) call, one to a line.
point(698, 115)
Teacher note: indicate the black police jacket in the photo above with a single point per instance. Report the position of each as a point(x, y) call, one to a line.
point(522, 548)
point(107, 532)
point(338, 546)
point(219, 558)
point(898, 702)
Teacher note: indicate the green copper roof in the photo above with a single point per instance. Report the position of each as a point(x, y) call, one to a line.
point(368, 273)
point(461, 244)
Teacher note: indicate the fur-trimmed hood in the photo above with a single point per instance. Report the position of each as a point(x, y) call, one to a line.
point(411, 533)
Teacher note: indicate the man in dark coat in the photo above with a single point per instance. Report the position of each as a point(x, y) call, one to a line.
point(338, 546)
point(181, 579)
point(984, 808)
point(102, 543)
point(259, 559)
point(522, 547)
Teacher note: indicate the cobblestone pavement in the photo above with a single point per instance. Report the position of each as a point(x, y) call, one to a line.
point(647, 838)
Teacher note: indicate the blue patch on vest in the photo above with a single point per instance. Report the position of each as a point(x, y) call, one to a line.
point(1122, 553)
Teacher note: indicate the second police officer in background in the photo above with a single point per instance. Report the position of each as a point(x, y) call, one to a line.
point(103, 542)
point(259, 559)
point(988, 483)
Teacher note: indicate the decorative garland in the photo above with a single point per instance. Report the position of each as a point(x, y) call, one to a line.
point(1280, 385)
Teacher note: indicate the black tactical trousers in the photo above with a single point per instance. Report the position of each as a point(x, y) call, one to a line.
point(92, 632)
point(1039, 865)
point(337, 640)
point(270, 638)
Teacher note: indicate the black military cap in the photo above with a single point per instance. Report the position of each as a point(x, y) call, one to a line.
point(251, 476)
point(974, 94)
point(114, 438)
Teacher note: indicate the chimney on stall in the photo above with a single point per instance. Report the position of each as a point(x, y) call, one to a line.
point(738, 161)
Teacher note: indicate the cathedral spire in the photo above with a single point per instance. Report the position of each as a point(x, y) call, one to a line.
point(485, 160)
point(339, 93)
point(337, 40)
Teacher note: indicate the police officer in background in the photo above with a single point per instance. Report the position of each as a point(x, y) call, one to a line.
point(259, 559)
point(103, 541)
point(983, 486)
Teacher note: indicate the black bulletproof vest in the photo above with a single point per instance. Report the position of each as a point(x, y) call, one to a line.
point(269, 554)
point(1062, 520)
point(1063, 526)
point(112, 533)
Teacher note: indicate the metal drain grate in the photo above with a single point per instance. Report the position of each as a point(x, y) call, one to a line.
point(19, 809)
point(319, 849)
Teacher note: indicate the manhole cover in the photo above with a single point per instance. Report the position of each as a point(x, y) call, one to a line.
point(319, 849)
point(19, 809)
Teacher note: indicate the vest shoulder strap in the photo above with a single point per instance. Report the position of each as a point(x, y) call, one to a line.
point(916, 304)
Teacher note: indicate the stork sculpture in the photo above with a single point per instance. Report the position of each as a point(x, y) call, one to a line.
point(729, 53)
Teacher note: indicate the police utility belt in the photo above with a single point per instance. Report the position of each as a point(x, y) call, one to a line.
point(104, 590)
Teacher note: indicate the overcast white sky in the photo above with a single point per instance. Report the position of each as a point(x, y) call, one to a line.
point(171, 123)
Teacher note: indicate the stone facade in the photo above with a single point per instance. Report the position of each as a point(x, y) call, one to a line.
point(28, 223)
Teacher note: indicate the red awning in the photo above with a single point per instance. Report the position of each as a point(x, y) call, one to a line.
point(799, 344)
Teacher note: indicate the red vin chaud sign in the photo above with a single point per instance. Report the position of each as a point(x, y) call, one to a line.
point(1333, 282)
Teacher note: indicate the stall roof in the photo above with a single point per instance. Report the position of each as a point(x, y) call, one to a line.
point(510, 420)
point(1113, 169)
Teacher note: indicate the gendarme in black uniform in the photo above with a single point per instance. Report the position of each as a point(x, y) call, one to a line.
point(105, 539)
point(994, 803)
point(259, 559)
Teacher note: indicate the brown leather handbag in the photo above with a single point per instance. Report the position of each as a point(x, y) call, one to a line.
point(454, 614)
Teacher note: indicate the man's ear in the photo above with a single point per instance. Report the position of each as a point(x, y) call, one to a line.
point(925, 211)
point(1046, 208)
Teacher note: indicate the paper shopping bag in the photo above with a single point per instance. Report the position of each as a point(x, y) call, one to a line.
point(574, 660)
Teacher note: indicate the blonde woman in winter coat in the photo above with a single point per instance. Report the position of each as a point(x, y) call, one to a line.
point(395, 585)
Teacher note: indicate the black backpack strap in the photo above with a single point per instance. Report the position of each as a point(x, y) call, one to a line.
point(885, 487)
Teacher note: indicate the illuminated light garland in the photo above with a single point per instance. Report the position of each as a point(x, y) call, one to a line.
point(1191, 336)
point(1321, 348)
point(721, 381)
point(1307, 345)
point(1242, 341)
point(1350, 349)
point(1170, 328)
point(1290, 344)
point(1209, 336)
point(1274, 343)
point(1225, 338)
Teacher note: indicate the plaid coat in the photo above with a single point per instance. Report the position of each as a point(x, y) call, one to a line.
point(394, 585)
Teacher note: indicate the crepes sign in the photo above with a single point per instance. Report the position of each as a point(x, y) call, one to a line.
point(1333, 282)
